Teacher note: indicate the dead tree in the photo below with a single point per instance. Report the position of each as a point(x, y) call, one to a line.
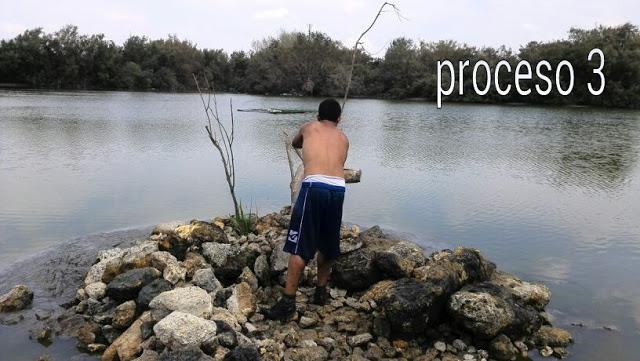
point(220, 138)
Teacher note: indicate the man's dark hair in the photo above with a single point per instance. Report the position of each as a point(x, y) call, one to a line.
point(329, 109)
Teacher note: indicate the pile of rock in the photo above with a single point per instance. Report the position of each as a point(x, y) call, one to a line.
point(198, 292)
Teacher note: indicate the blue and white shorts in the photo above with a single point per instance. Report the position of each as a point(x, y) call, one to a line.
point(315, 221)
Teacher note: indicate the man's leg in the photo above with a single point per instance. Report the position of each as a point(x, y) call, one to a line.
point(321, 295)
point(294, 273)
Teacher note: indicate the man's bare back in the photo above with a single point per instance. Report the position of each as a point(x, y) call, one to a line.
point(324, 148)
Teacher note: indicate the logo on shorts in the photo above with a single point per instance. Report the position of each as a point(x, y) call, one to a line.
point(293, 236)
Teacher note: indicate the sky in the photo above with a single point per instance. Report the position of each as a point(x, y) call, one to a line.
point(235, 24)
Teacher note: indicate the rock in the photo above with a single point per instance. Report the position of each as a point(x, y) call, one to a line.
point(193, 300)
point(316, 353)
point(552, 336)
point(184, 354)
point(96, 290)
point(194, 261)
point(359, 340)
point(127, 285)
point(42, 315)
point(502, 349)
point(243, 353)
point(307, 322)
point(536, 295)
point(546, 351)
point(137, 256)
point(261, 270)
point(355, 271)
point(148, 355)
point(97, 270)
point(161, 259)
point(223, 315)
point(399, 260)
point(124, 315)
point(127, 346)
point(481, 313)
point(248, 277)
point(174, 273)
point(370, 233)
point(42, 334)
point(201, 232)
point(486, 310)
point(409, 305)
point(440, 346)
point(206, 279)
point(18, 298)
point(451, 270)
point(228, 261)
point(242, 302)
point(279, 260)
point(179, 330)
point(459, 345)
point(167, 227)
point(150, 291)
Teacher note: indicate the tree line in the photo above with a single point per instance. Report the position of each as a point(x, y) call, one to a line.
point(313, 64)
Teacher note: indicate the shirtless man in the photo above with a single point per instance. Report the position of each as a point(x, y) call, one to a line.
point(317, 214)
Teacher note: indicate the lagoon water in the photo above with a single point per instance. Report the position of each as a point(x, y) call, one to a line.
point(551, 194)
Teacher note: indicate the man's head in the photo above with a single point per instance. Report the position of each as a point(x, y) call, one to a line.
point(329, 109)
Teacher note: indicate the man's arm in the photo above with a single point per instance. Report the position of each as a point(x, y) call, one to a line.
point(297, 140)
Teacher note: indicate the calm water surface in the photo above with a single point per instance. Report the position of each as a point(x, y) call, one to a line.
point(552, 194)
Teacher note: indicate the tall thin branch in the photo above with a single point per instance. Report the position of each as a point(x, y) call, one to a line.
point(358, 43)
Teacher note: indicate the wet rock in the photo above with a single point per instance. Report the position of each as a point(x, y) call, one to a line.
point(206, 279)
point(193, 300)
point(184, 354)
point(42, 334)
point(315, 353)
point(96, 290)
point(18, 298)
point(481, 313)
point(124, 315)
point(409, 305)
point(150, 291)
point(87, 333)
point(546, 351)
point(96, 347)
point(356, 270)
point(179, 330)
point(536, 295)
point(242, 302)
point(502, 349)
point(42, 315)
point(97, 270)
point(127, 346)
point(553, 337)
point(399, 260)
point(127, 285)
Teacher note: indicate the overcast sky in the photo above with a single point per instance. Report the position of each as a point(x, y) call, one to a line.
point(234, 24)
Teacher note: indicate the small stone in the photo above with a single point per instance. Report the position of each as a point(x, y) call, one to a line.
point(560, 352)
point(18, 298)
point(546, 351)
point(96, 290)
point(42, 315)
point(206, 279)
point(307, 322)
point(440, 346)
point(468, 357)
point(360, 339)
point(96, 347)
point(459, 344)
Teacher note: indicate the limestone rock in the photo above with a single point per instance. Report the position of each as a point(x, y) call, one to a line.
point(399, 260)
point(261, 270)
point(242, 302)
point(194, 261)
point(248, 277)
point(481, 313)
point(314, 353)
point(224, 315)
point(502, 349)
point(126, 286)
point(553, 337)
point(174, 273)
point(536, 295)
point(96, 290)
point(124, 315)
point(167, 227)
point(356, 270)
point(193, 300)
point(18, 298)
point(179, 330)
point(97, 270)
point(279, 260)
point(127, 346)
point(184, 354)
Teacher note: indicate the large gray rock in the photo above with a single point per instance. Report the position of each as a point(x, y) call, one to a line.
point(228, 261)
point(96, 290)
point(451, 270)
point(356, 270)
point(206, 279)
point(279, 260)
point(18, 298)
point(261, 270)
point(408, 305)
point(486, 310)
point(126, 286)
point(553, 337)
point(194, 234)
point(150, 291)
point(536, 295)
point(137, 256)
point(399, 260)
point(193, 300)
point(179, 330)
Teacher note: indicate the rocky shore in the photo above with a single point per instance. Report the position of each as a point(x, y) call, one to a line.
point(198, 292)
